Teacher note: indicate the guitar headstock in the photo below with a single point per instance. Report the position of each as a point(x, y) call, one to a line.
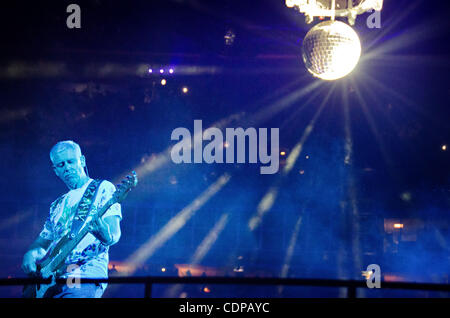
point(125, 186)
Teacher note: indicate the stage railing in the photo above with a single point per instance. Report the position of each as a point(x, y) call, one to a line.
point(149, 281)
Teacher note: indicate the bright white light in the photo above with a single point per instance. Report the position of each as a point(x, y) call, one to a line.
point(155, 242)
point(171, 71)
point(331, 50)
point(161, 71)
point(163, 82)
point(150, 70)
point(334, 8)
point(264, 206)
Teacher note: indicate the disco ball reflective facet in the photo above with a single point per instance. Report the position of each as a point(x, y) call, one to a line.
point(331, 50)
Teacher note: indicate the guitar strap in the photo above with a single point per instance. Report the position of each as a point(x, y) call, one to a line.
point(85, 206)
point(82, 212)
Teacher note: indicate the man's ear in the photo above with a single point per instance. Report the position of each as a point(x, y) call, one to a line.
point(83, 161)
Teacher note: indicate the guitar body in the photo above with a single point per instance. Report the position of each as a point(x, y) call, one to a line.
point(44, 270)
point(38, 291)
point(50, 266)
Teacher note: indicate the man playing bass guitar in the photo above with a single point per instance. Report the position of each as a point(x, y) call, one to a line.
point(85, 196)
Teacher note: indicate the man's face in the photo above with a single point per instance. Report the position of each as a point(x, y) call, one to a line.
point(68, 166)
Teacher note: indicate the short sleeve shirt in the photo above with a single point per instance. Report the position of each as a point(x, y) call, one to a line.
point(90, 254)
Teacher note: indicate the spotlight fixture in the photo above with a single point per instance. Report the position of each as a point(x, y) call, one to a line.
point(334, 8)
point(206, 289)
point(163, 82)
point(229, 37)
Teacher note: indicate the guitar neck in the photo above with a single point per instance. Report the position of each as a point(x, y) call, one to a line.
point(72, 242)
